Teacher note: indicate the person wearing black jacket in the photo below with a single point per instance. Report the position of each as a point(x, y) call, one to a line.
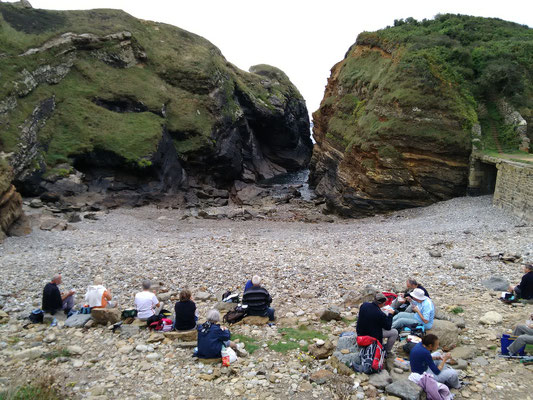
point(374, 322)
point(54, 300)
point(525, 289)
point(185, 311)
point(258, 300)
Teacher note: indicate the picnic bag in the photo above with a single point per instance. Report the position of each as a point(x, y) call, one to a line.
point(371, 354)
point(163, 325)
point(235, 315)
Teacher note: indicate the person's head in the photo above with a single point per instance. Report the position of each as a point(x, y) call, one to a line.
point(185, 295)
point(57, 279)
point(256, 280)
point(418, 295)
point(431, 342)
point(380, 299)
point(412, 283)
point(213, 316)
point(98, 280)
point(528, 268)
point(147, 284)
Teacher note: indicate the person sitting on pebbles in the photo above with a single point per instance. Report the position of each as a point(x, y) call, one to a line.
point(53, 300)
point(98, 296)
point(212, 336)
point(524, 335)
point(421, 359)
point(524, 290)
point(185, 310)
point(402, 302)
point(258, 300)
point(147, 304)
point(423, 312)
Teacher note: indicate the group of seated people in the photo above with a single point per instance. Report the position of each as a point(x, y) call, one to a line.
point(412, 309)
point(211, 336)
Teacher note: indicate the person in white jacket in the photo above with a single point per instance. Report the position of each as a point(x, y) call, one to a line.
point(98, 296)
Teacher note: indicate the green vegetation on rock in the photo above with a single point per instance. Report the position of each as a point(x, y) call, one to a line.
point(115, 94)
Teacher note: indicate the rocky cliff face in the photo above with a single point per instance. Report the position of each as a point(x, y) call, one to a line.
point(10, 203)
point(128, 104)
point(399, 116)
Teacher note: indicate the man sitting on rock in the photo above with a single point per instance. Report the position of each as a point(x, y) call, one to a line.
point(53, 300)
point(423, 312)
point(258, 300)
point(401, 303)
point(421, 360)
point(374, 322)
point(211, 337)
point(524, 290)
point(146, 304)
point(98, 296)
point(524, 335)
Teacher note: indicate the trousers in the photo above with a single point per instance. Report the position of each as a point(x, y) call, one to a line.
point(525, 336)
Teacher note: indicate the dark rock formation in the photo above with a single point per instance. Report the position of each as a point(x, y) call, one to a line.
point(138, 107)
point(10, 206)
point(400, 114)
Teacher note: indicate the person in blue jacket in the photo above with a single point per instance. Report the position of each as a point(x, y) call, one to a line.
point(421, 360)
point(211, 337)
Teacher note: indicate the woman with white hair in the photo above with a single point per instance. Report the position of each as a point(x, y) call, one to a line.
point(211, 337)
point(97, 295)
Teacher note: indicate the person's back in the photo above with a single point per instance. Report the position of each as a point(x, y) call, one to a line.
point(146, 302)
point(420, 360)
point(185, 311)
point(372, 321)
point(211, 337)
point(526, 286)
point(52, 301)
point(257, 299)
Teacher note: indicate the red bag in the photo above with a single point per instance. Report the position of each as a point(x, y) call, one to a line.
point(164, 324)
point(371, 355)
point(390, 297)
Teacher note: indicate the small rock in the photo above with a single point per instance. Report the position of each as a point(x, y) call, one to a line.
point(321, 376)
point(491, 318)
point(75, 350)
point(331, 313)
point(435, 253)
point(458, 266)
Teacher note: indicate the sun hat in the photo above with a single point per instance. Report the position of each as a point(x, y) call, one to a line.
point(418, 294)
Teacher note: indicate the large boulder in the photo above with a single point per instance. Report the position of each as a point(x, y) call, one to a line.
point(405, 390)
point(182, 336)
point(331, 313)
point(105, 316)
point(254, 320)
point(321, 351)
point(77, 320)
point(496, 283)
point(380, 380)
point(491, 318)
point(447, 332)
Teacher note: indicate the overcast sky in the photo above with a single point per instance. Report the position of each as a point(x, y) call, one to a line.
point(304, 38)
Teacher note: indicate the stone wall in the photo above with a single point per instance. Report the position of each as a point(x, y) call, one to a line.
point(514, 188)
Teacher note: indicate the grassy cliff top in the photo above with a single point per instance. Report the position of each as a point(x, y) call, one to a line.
point(491, 56)
point(183, 82)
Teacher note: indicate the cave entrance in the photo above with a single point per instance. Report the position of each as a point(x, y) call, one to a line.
point(482, 179)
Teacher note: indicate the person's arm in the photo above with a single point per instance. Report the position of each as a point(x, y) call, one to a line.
point(223, 333)
point(155, 302)
point(425, 320)
point(386, 319)
point(68, 294)
point(431, 364)
point(107, 295)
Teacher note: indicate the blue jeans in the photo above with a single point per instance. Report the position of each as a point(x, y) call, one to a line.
point(403, 319)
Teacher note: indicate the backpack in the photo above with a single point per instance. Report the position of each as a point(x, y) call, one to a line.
point(371, 354)
point(129, 314)
point(36, 316)
point(163, 325)
point(390, 297)
point(235, 315)
point(228, 297)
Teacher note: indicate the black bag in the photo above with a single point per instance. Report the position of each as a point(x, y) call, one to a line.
point(36, 317)
point(228, 297)
point(235, 315)
point(408, 347)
